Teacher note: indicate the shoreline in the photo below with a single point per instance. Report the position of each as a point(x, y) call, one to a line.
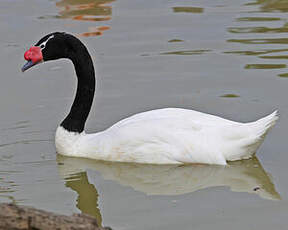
point(17, 217)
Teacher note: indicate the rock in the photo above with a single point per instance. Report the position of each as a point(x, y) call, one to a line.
point(14, 217)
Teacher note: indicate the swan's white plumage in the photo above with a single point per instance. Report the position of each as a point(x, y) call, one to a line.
point(169, 136)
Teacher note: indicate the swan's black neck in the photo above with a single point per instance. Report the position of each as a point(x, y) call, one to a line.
point(78, 54)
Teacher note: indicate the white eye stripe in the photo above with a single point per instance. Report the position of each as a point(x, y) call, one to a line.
point(43, 44)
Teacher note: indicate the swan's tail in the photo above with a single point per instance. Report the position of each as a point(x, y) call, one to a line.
point(252, 138)
point(263, 125)
point(259, 129)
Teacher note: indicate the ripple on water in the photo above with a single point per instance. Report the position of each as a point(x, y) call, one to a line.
point(258, 19)
point(230, 95)
point(261, 41)
point(93, 11)
point(185, 52)
point(256, 29)
point(265, 66)
point(283, 75)
point(7, 187)
point(256, 52)
point(269, 6)
point(175, 40)
point(188, 9)
point(18, 125)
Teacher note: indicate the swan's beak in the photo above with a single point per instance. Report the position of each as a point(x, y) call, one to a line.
point(27, 65)
point(33, 56)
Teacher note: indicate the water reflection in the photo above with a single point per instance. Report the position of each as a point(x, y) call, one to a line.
point(271, 5)
point(261, 41)
point(283, 75)
point(187, 9)
point(185, 52)
point(176, 40)
point(259, 29)
point(241, 176)
point(265, 66)
point(230, 95)
point(87, 200)
point(258, 19)
point(256, 26)
point(7, 187)
point(257, 52)
point(87, 10)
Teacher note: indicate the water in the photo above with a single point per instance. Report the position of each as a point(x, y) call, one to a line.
point(227, 58)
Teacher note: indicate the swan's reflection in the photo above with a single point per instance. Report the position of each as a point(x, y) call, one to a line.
point(87, 200)
point(240, 176)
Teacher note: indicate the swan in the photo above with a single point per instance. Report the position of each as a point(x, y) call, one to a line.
point(162, 136)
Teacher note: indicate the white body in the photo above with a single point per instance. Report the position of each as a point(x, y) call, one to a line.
point(169, 136)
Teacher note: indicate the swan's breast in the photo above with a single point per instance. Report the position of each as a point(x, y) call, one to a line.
point(67, 143)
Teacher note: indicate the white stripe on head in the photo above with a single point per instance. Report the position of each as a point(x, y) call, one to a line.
point(43, 44)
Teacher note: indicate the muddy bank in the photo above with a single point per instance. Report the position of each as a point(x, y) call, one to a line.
point(21, 218)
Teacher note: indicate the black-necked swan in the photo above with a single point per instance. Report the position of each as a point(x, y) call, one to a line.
point(162, 136)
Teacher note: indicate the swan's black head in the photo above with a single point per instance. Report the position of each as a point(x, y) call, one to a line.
point(51, 47)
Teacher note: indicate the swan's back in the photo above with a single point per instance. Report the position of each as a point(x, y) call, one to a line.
point(174, 113)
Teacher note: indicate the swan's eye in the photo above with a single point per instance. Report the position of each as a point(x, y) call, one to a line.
point(42, 46)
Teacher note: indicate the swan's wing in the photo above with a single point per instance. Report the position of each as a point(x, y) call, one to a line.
point(161, 140)
point(175, 113)
point(176, 136)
